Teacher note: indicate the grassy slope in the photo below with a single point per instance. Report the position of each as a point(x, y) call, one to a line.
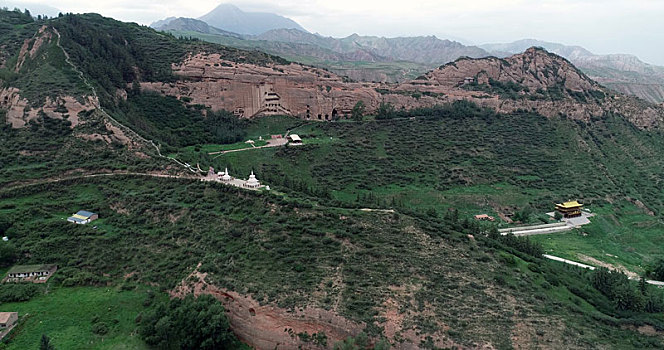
point(620, 234)
point(471, 161)
point(480, 165)
point(245, 246)
point(67, 315)
point(49, 148)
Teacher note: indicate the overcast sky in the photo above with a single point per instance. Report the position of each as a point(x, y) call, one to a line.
point(602, 26)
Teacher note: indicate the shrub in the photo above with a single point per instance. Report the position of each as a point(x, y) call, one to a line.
point(189, 323)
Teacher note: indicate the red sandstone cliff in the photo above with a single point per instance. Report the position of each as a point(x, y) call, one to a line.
point(311, 93)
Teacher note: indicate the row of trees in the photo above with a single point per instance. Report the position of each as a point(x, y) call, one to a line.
point(625, 295)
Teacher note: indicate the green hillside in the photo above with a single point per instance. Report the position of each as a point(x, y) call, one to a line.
point(156, 232)
point(417, 269)
point(110, 53)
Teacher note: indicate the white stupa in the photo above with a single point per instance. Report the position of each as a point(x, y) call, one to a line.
point(226, 176)
point(253, 182)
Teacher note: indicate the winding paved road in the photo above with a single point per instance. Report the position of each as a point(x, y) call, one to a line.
point(570, 262)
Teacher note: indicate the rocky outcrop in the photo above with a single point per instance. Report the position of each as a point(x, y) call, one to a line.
point(20, 111)
point(623, 73)
point(534, 80)
point(251, 90)
point(32, 46)
point(534, 69)
point(270, 327)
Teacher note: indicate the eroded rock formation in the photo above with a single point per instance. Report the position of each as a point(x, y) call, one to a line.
point(20, 111)
point(535, 81)
point(268, 326)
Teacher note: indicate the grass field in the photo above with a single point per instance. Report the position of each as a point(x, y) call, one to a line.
point(68, 315)
point(620, 234)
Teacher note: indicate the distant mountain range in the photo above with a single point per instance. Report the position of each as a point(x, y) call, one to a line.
point(371, 58)
point(174, 24)
point(366, 58)
point(229, 17)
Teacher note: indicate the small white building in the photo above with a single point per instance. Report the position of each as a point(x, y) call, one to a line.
point(294, 139)
point(8, 319)
point(83, 217)
point(34, 273)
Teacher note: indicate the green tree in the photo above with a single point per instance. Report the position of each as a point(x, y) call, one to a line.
point(7, 254)
point(135, 88)
point(386, 111)
point(358, 110)
point(189, 323)
point(45, 343)
point(360, 341)
point(5, 224)
point(658, 271)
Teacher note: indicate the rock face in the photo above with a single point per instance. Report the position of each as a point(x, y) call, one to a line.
point(624, 73)
point(270, 327)
point(534, 80)
point(251, 90)
point(19, 111)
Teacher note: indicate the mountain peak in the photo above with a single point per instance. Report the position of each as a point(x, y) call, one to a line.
point(231, 18)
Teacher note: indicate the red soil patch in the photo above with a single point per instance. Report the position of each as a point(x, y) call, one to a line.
point(267, 326)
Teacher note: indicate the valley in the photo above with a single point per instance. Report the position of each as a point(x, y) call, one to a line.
point(367, 234)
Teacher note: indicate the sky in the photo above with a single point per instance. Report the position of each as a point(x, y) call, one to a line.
point(601, 26)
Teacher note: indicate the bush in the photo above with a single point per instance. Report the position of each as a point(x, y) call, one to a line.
point(8, 254)
point(189, 323)
point(100, 328)
point(10, 293)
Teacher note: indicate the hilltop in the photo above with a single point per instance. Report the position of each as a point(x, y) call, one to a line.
point(623, 73)
point(190, 24)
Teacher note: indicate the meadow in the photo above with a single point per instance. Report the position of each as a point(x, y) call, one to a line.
point(79, 318)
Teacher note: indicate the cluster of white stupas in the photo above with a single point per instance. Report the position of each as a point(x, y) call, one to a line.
point(225, 176)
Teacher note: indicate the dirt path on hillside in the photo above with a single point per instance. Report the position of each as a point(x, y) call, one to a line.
point(270, 143)
point(631, 275)
point(95, 101)
point(590, 259)
point(68, 178)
